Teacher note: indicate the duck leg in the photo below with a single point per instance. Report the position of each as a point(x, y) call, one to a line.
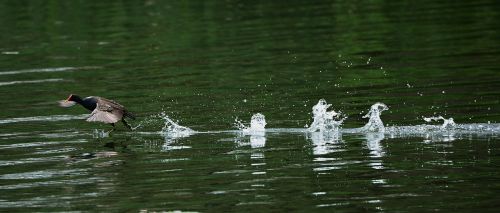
point(126, 124)
point(114, 127)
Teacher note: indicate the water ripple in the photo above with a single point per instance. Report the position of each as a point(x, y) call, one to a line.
point(42, 174)
point(5, 83)
point(35, 144)
point(55, 69)
point(43, 118)
point(27, 160)
point(81, 181)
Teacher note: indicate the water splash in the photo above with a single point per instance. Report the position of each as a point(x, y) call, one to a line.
point(173, 129)
point(324, 121)
point(375, 124)
point(162, 124)
point(151, 122)
point(446, 132)
point(239, 124)
point(447, 123)
point(256, 131)
point(257, 124)
point(326, 129)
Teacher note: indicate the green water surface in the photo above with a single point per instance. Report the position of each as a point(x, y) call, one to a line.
point(206, 63)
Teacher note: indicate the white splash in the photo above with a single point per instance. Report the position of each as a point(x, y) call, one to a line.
point(447, 123)
point(375, 124)
point(324, 121)
point(239, 124)
point(257, 124)
point(174, 130)
point(446, 132)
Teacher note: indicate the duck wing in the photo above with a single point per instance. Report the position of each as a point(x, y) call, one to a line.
point(118, 106)
point(114, 104)
point(106, 111)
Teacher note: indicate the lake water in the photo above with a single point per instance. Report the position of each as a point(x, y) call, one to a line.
point(210, 66)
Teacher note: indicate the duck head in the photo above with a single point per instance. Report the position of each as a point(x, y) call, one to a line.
point(70, 101)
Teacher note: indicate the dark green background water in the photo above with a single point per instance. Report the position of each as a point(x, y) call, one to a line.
point(206, 63)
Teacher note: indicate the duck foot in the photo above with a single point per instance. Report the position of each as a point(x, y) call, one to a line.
point(126, 124)
point(114, 128)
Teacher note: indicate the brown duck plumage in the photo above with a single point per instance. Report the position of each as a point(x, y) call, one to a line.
point(103, 110)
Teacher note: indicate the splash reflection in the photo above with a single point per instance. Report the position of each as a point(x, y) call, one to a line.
point(373, 140)
point(171, 144)
point(325, 142)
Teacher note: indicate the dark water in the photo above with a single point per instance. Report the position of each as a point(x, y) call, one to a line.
point(206, 63)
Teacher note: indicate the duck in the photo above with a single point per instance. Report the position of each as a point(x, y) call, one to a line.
point(102, 109)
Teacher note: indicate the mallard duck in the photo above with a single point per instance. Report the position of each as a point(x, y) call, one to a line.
point(103, 110)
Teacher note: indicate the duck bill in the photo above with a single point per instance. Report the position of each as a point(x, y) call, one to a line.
point(66, 103)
